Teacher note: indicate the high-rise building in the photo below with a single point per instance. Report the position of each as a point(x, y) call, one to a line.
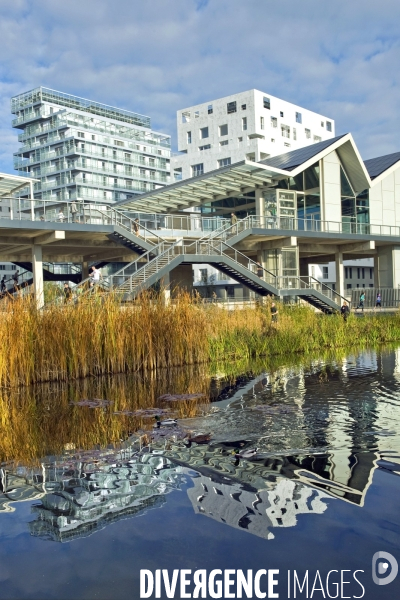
point(81, 149)
point(251, 125)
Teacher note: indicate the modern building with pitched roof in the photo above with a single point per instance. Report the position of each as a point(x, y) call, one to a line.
point(313, 204)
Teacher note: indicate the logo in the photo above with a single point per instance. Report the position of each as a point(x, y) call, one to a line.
point(381, 561)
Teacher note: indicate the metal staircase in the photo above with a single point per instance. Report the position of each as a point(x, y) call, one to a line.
point(137, 276)
point(128, 232)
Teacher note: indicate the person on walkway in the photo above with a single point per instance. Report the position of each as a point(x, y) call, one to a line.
point(61, 216)
point(260, 270)
point(3, 287)
point(361, 301)
point(136, 227)
point(378, 303)
point(234, 222)
point(74, 212)
point(274, 313)
point(67, 293)
point(15, 279)
point(345, 311)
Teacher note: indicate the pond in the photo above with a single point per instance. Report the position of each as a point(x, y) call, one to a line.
point(294, 476)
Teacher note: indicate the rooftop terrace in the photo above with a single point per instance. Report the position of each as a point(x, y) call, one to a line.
point(42, 94)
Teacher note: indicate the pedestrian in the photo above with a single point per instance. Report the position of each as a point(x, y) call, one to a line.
point(136, 227)
point(74, 212)
point(61, 216)
point(345, 311)
point(234, 222)
point(95, 275)
point(15, 279)
point(378, 303)
point(274, 313)
point(3, 287)
point(361, 301)
point(260, 270)
point(67, 293)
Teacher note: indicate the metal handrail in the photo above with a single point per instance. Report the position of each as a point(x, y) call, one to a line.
point(286, 282)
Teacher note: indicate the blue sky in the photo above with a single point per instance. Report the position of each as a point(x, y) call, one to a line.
point(339, 58)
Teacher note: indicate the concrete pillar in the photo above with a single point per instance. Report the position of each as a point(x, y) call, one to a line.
point(181, 278)
point(387, 267)
point(84, 270)
point(37, 269)
point(260, 206)
point(339, 273)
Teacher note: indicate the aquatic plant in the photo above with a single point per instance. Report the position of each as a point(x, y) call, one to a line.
point(101, 336)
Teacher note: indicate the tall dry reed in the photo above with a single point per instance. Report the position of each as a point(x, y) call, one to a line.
point(101, 336)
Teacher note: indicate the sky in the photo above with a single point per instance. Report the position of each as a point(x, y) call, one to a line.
point(339, 58)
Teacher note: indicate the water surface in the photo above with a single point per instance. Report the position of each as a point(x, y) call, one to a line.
point(82, 510)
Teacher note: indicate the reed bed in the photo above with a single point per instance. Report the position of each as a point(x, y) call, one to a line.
point(101, 336)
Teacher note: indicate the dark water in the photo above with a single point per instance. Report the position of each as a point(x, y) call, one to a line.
point(82, 515)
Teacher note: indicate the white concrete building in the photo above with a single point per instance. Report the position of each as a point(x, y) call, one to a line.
point(357, 273)
point(251, 125)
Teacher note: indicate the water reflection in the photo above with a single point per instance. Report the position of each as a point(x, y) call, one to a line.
point(321, 429)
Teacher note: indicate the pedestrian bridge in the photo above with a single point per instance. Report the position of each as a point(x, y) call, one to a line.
point(155, 246)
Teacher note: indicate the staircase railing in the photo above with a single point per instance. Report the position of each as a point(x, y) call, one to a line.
point(111, 216)
point(167, 253)
point(133, 267)
point(291, 282)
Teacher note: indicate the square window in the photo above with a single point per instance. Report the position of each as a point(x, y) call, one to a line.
point(231, 107)
point(317, 138)
point(298, 117)
point(197, 170)
point(196, 114)
point(285, 129)
point(223, 130)
point(243, 107)
point(240, 139)
point(224, 162)
point(210, 109)
point(328, 126)
point(93, 137)
point(308, 133)
point(186, 117)
point(224, 143)
point(274, 122)
point(272, 140)
point(203, 133)
point(206, 147)
point(281, 113)
point(266, 102)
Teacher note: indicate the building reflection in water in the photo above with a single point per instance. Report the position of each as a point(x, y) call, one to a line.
point(325, 430)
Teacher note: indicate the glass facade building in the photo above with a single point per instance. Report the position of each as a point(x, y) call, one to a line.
point(84, 150)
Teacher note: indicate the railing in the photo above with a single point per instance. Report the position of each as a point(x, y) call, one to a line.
point(136, 273)
point(292, 282)
point(218, 227)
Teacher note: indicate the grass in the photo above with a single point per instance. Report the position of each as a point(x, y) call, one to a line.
point(100, 336)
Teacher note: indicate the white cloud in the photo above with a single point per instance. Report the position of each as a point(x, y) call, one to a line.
point(155, 57)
